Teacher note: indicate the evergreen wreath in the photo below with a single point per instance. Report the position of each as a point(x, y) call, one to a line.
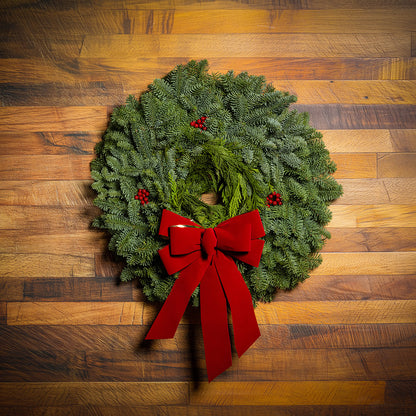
point(193, 132)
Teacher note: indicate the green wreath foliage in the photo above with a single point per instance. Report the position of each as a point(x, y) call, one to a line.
point(253, 145)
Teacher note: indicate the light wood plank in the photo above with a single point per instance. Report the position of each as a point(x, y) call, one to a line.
point(396, 165)
point(75, 313)
point(79, 192)
point(287, 393)
point(139, 72)
point(337, 312)
point(377, 191)
point(351, 166)
point(350, 92)
point(36, 119)
point(44, 265)
point(70, 167)
point(89, 393)
point(247, 45)
point(367, 263)
point(35, 192)
point(136, 313)
point(373, 216)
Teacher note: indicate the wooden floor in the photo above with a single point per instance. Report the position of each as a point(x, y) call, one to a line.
point(71, 337)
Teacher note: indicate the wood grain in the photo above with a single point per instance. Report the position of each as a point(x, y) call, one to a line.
point(235, 45)
point(284, 393)
point(171, 21)
point(341, 343)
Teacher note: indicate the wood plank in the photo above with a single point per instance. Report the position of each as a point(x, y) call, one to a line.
point(79, 192)
point(367, 141)
point(140, 72)
point(36, 192)
point(75, 313)
point(377, 191)
point(347, 116)
point(272, 365)
point(114, 92)
point(45, 265)
point(64, 289)
point(367, 263)
point(371, 239)
point(350, 92)
point(286, 393)
point(59, 219)
point(70, 167)
point(104, 393)
point(404, 140)
point(81, 5)
point(352, 166)
point(38, 241)
point(92, 338)
point(400, 392)
point(294, 410)
point(33, 119)
point(3, 313)
point(347, 216)
point(236, 45)
point(396, 165)
point(106, 21)
point(351, 287)
point(17, 45)
point(45, 167)
point(136, 313)
point(48, 143)
point(337, 312)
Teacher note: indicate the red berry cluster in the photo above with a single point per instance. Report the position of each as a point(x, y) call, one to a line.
point(142, 195)
point(199, 124)
point(273, 199)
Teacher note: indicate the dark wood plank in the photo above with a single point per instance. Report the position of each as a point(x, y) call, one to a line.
point(107, 21)
point(3, 313)
point(346, 116)
point(401, 392)
point(16, 288)
point(90, 338)
point(48, 143)
point(60, 219)
point(109, 393)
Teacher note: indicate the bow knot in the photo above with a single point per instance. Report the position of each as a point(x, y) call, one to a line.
point(209, 242)
point(205, 257)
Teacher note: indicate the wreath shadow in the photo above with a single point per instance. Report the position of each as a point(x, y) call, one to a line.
point(191, 355)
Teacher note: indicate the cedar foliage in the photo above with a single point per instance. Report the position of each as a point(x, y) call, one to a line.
point(253, 145)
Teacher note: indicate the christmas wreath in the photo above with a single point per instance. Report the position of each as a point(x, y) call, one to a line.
point(193, 133)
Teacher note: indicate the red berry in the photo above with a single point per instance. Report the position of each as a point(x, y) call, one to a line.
point(142, 202)
point(203, 118)
point(280, 202)
point(198, 121)
point(268, 205)
point(146, 199)
point(278, 194)
point(136, 197)
point(274, 202)
point(191, 123)
point(204, 128)
point(147, 193)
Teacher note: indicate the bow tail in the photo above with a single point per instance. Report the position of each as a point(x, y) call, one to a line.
point(246, 329)
point(214, 322)
point(168, 319)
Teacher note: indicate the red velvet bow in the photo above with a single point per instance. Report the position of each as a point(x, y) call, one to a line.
point(204, 256)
